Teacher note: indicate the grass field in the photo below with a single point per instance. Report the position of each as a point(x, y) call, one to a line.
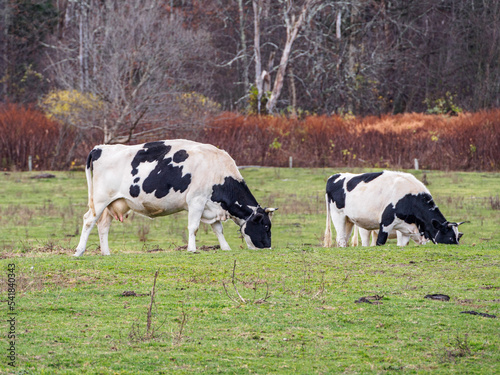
point(287, 310)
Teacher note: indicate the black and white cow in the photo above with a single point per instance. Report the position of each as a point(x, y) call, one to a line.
point(165, 177)
point(384, 201)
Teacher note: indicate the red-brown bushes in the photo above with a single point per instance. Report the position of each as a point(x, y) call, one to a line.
point(466, 142)
point(27, 132)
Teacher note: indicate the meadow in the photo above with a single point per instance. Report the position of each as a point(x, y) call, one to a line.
point(152, 307)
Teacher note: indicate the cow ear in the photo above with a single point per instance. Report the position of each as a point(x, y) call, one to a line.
point(269, 211)
point(257, 218)
point(436, 224)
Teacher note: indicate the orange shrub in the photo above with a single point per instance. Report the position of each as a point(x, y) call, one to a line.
point(466, 142)
point(470, 141)
point(26, 132)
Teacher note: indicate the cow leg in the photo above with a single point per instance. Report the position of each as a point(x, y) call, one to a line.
point(365, 236)
point(343, 227)
point(354, 240)
point(103, 225)
point(218, 230)
point(349, 225)
point(403, 239)
point(195, 212)
point(89, 221)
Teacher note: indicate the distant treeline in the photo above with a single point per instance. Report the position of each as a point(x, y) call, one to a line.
point(470, 141)
point(360, 56)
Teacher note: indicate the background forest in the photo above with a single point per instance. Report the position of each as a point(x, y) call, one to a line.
point(74, 73)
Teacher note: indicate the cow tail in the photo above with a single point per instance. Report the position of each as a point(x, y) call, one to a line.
point(90, 185)
point(327, 241)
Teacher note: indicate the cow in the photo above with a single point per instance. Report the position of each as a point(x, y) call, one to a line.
point(402, 240)
point(384, 201)
point(164, 177)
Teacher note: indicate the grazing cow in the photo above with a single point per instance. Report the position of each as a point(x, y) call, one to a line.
point(401, 238)
point(385, 201)
point(165, 177)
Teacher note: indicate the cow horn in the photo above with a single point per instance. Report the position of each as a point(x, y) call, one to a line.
point(457, 224)
point(270, 209)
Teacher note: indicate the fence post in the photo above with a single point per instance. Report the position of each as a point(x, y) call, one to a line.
point(416, 163)
point(290, 162)
point(30, 163)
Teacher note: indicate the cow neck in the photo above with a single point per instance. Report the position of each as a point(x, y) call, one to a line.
point(434, 214)
point(235, 197)
point(424, 220)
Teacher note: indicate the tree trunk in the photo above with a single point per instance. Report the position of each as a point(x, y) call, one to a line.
point(246, 82)
point(292, 30)
point(257, 9)
point(293, 93)
point(84, 53)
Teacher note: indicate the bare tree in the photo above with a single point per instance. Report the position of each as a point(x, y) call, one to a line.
point(293, 23)
point(257, 10)
point(293, 18)
point(137, 59)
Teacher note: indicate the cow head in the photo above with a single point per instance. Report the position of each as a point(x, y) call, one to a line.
point(447, 232)
point(257, 228)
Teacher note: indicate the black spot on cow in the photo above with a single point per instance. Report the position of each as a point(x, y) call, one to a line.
point(134, 191)
point(335, 190)
point(93, 156)
point(234, 197)
point(180, 156)
point(365, 177)
point(258, 228)
point(166, 176)
point(151, 152)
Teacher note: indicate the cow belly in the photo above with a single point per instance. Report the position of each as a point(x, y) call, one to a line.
point(365, 223)
point(213, 212)
point(363, 212)
point(157, 207)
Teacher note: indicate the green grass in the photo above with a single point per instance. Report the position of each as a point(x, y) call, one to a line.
point(299, 314)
